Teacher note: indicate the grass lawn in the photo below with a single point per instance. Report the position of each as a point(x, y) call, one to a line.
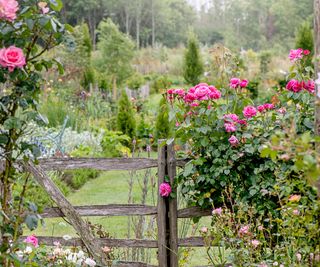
point(110, 188)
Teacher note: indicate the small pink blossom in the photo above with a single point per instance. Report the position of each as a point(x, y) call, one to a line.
point(232, 117)
point(244, 230)
point(294, 198)
point(260, 228)
point(294, 86)
point(242, 122)
point(170, 91)
point(282, 110)
point(12, 57)
point(215, 94)
point(230, 127)
point(190, 97)
point(296, 212)
point(32, 239)
point(8, 9)
point(244, 83)
point(202, 91)
point(261, 108)
point(234, 82)
point(177, 124)
point(164, 189)
point(204, 230)
point(296, 54)
point(299, 257)
point(255, 243)
point(44, 7)
point(233, 140)
point(217, 211)
point(194, 104)
point(306, 52)
point(268, 106)
point(249, 111)
point(179, 92)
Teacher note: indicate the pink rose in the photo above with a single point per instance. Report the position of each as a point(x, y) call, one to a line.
point(233, 140)
point(179, 92)
point(32, 240)
point(296, 54)
point(8, 9)
point(230, 127)
point(294, 86)
point(170, 91)
point(309, 86)
point(12, 57)
point(306, 52)
point(234, 82)
point(255, 243)
point(202, 91)
point(261, 108)
point(268, 106)
point(214, 93)
point(242, 122)
point(244, 230)
point(282, 110)
point(43, 7)
point(194, 104)
point(165, 190)
point(190, 97)
point(232, 117)
point(249, 112)
point(217, 211)
point(244, 83)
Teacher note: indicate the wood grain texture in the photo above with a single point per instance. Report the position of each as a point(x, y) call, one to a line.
point(195, 241)
point(132, 264)
point(104, 210)
point(193, 212)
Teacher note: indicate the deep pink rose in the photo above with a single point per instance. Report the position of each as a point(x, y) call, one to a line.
point(8, 9)
point(179, 92)
point(231, 117)
point(233, 140)
point(31, 239)
point(249, 112)
point(309, 86)
point(202, 91)
point(189, 97)
point(242, 122)
point(244, 83)
point(194, 104)
point(306, 52)
point(230, 127)
point(12, 57)
point(165, 190)
point(234, 82)
point(214, 93)
point(261, 108)
point(268, 106)
point(296, 54)
point(170, 91)
point(294, 86)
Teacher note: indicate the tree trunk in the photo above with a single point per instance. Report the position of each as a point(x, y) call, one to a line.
point(153, 23)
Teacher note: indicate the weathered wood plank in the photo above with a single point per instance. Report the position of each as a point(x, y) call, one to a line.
point(162, 210)
point(102, 242)
point(102, 164)
point(132, 264)
point(104, 210)
point(173, 207)
point(193, 212)
point(195, 241)
point(70, 213)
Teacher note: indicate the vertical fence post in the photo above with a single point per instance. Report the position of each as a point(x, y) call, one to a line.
point(173, 207)
point(162, 209)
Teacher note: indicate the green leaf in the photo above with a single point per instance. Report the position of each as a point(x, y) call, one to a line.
point(56, 5)
point(31, 222)
point(12, 123)
point(3, 139)
point(188, 169)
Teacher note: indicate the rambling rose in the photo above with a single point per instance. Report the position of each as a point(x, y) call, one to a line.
point(234, 82)
point(296, 54)
point(31, 239)
point(268, 106)
point(202, 91)
point(309, 86)
point(179, 92)
point(249, 111)
point(230, 127)
point(232, 117)
point(12, 57)
point(261, 108)
point(165, 190)
point(294, 86)
point(306, 52)
point(233, 141)
point(8, 9)
point(244, 83)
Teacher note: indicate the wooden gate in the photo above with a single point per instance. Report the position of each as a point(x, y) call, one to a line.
point(166, 210)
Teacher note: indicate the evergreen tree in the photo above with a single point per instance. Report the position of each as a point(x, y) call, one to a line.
point(163, 129)
point(193, 66)
point(304, 40)
point(125, 118)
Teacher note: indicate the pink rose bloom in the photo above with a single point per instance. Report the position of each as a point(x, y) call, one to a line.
point(232, 117)
point(234, 82)
point(244, 83)
point(177, 124)
point(282, 110)
point(242, 122)
point(255, 243)
point(170, 91)
point(233, 140)
point(230, 127)
point(8, 9)
point(189, 113)
point(12, 57)
point(43, 7)
point(202, 91)
point(268, 106)
point(296, 54)
point(165, 190)
point(249, 112)
point(214, 94)
point(32, 240)
point(309, 86)
point(194, 104)
point(179, 92)
point(244, 230)
point(261, 108)
point(299, 257)
point(190, 97)
point(217, 211)
point(306, 52)
point(294, 86)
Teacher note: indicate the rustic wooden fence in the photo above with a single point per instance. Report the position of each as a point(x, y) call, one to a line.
point(166, 210)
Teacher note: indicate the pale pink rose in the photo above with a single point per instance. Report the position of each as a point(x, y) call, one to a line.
point(234, 82)
point(31, 239)
point(296, 54)
point(299, 256)
point(8, 9)
point(204, 230)
point(268, 106)
point(231, 117)
point(244, 83)
point(217, 211)
point(230, 127)
point(12, 57)
point(44, 7)
point(260, 228)
point(309, 86)
point(282, 110)
point(244, 230)
point(306, 52)
point(296, 212)
point(294, 86)
point(294, 198)
point(255, 243)
point(249, 111)
point(261, 108)
point(233, 140)
point(165, 190)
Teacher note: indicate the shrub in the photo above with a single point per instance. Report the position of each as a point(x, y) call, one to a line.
point(160, 83)
point(304, 40)
point(125, 117)
point(115, 144)
point(162, 127)
point(135, 82)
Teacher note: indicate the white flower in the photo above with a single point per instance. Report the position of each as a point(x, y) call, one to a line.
point(28, 250)
point(66, 237)
point(275, 263)
point(19, 254)
point(90, 262)
point(80, 254)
